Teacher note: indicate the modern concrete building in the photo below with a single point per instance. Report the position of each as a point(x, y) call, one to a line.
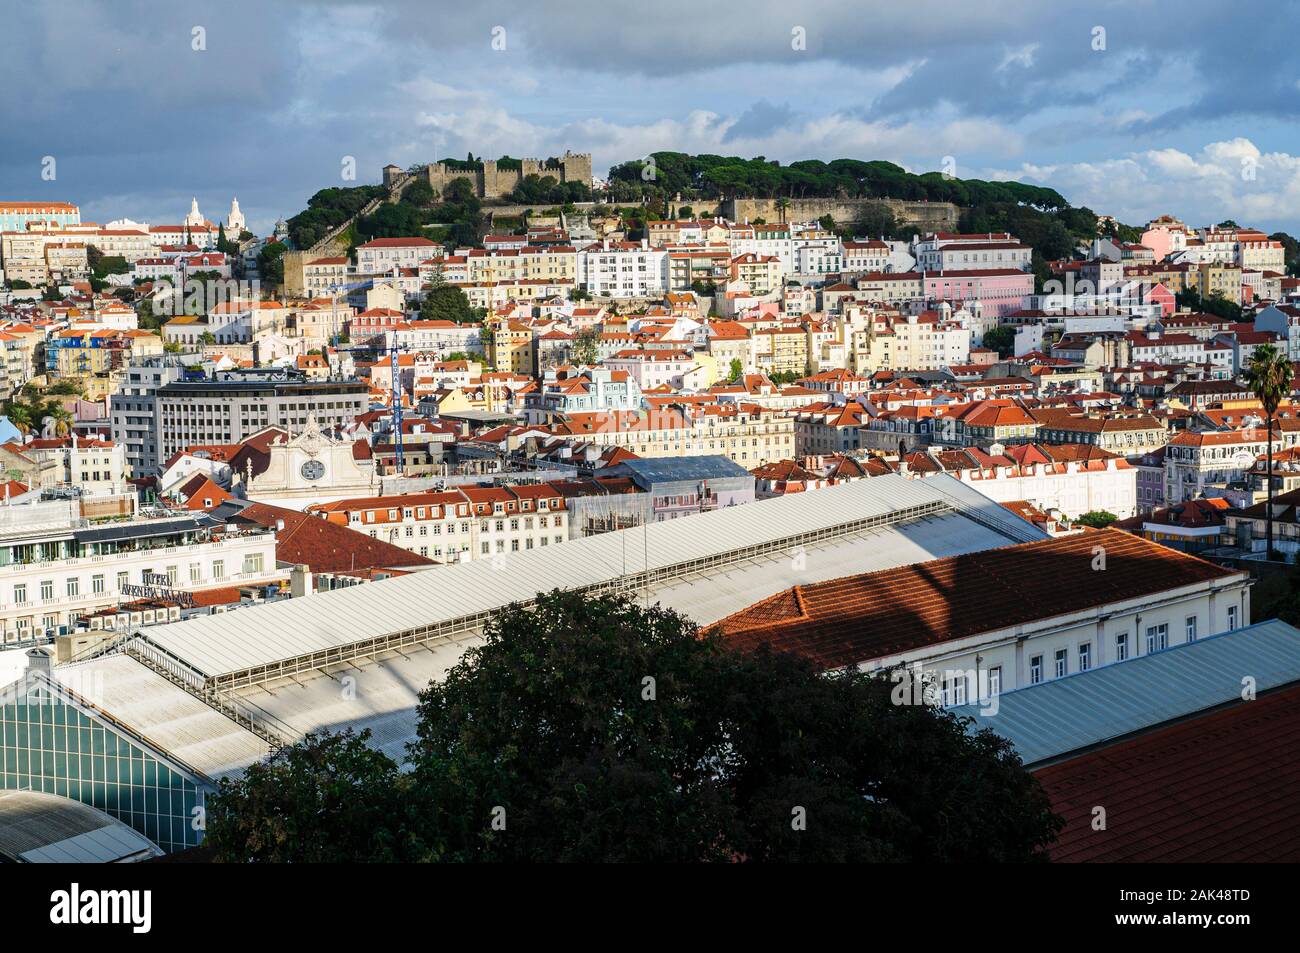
point(233, 405)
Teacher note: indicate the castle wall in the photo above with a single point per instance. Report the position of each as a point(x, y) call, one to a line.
point(491, 182)
point(929, 216)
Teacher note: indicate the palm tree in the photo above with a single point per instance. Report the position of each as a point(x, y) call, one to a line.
point(1269, 375)
point(20, 416)
point(781, 205)
point(62, 420)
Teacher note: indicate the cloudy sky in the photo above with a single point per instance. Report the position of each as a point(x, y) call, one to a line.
point(1133, 108)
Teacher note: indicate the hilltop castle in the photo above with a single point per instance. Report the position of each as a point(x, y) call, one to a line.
point(491, 182)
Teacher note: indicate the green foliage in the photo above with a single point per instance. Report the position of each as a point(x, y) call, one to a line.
point(586, 346)
point(419, 193)
point(270, 263)
point(389, 221)
point(1290, 251)
point(1002, 339)
point(596, 730)
point(328, 209)
point(877, 221)
point(446, 302)
point(1097, 519)
point(712, 176)
point(536, 189)
point(66, 388)
point(28, 409)
point(1216, 304)
point(1270, 376)
point(737, 369)
point(224, 244)
point(784, 377)
point(330, 798)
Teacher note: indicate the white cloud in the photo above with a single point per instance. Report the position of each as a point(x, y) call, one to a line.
point(1226, 179)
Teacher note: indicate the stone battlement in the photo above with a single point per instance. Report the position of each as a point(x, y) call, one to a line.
point(490, 181)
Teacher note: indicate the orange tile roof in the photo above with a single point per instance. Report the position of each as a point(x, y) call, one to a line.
point(876, 615)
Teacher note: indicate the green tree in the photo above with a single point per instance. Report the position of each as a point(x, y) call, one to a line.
point(274, 813)
point(876, 221)
point(737, 369)
point(420, 193)
point(270, 263)
point(20, 415)
point(586, 346)
point(1269, 376)
point(1097, 519)
point(592, 729)
point(444, 302)
point(1002, 339)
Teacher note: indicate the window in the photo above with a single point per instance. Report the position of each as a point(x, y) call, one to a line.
point(1035, 670)
point(995, 681)
point(959, 689)
point(47, 590)
point(1232, 617)
point(219, 569)
point(253, 563)
point(1085, 656)
point(1157, 637)
point(97, 584)
point(20, 593)
point(1121, 647)
point(1062, 662)
point(74, 587)
point(1191, 628)
point(123, 580)
point(196, 573)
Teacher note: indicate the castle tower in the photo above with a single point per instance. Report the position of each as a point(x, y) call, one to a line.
point(235, 220)
point(195, 218)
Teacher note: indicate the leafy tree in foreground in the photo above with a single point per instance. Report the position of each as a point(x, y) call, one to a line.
point(329, 798)
point(595, 730)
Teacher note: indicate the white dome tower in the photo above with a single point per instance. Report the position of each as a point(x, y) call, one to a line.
point(195, 218)
point(235, 220)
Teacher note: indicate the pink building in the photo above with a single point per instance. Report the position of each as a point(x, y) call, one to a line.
point(1000, 291)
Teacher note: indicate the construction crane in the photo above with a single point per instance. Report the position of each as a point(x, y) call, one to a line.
point(393, 349)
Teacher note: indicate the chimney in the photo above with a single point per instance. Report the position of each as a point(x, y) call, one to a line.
point(39, 661)
point(300, 584)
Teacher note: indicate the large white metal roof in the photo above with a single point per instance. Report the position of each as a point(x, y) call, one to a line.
point(163, 715)
point(223, 644)
point(379, 696)
point(714, 595)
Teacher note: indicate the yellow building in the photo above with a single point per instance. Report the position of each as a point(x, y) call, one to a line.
point(781, 350)
point(511, 345)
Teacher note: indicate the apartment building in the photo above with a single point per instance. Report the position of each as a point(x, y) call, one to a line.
point(748, 434)
point(17, 216)
point(868, 256)
point(233, 405)
point(133, 411)
point(1204, 464)
point(458, 525)
point(915, 342)
point(55, 567)
point(623, 270)
point(382, 255)
point(977, 251)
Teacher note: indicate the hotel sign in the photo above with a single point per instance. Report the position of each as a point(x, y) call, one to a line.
point(158, 586)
